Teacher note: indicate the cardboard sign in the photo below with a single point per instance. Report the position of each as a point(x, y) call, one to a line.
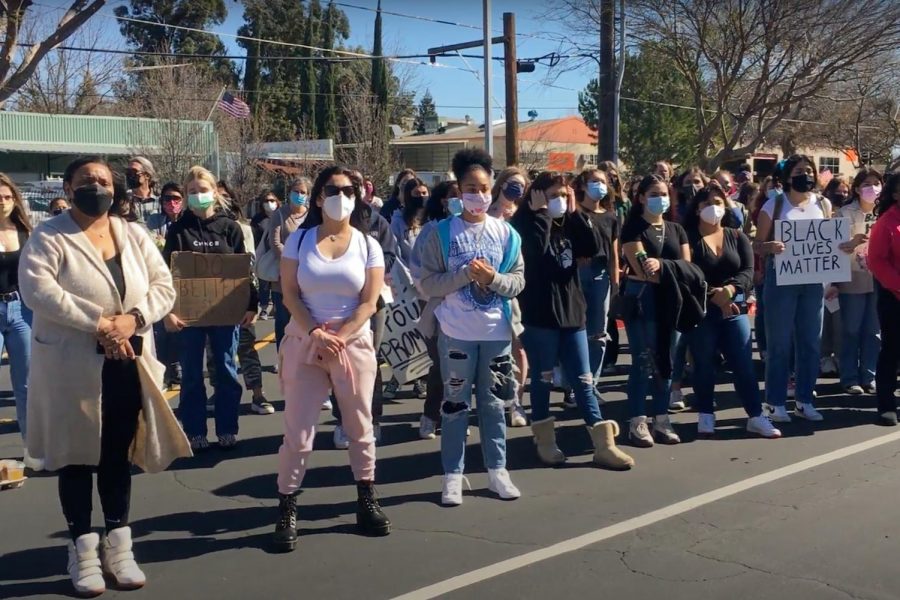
point(811, 253)
point(212, 289)
point(403, 346)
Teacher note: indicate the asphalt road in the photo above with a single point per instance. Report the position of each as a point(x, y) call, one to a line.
point(812, 515)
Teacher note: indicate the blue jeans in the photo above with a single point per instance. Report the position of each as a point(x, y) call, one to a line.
point(642, 342)
point(489, 367)
point(596, 285)
point(282, 317)
point(860, 344)
point(759, 323)
point(793, 317)
point(730, 336)
point(569, 348)
point(680, 345)
point(223, 341)
point(15, 336)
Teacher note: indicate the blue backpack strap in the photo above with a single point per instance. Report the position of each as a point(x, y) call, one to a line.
point(511, 252)
point(443, 229)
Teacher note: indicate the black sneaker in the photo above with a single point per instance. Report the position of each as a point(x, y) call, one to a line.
point(420, 388)
point(285, 536)
point(369, 517)
point(888, 419)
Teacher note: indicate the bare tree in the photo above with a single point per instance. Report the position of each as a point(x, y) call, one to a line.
point(14, 72)
point(751, 63)
point(72, 81)
point(240, 142)
point(366, 134)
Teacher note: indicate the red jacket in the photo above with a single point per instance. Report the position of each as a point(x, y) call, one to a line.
point(884, 250)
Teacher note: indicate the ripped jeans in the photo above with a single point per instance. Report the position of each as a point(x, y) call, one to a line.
point(489, 367)
point(569, 348)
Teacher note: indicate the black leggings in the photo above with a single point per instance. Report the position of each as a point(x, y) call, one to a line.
point(120, 405)
point(889, 355)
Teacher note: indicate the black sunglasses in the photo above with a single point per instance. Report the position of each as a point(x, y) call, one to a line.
point(333, 190)
point(172, 198)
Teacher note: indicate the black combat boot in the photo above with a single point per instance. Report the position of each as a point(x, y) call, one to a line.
point(285, 536)
point(369, 517)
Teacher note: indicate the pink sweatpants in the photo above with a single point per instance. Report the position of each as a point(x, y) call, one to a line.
point(306, 380)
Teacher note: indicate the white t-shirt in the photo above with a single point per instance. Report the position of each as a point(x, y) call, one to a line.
point(473, 313)
point(330, 288)
point(811, 210)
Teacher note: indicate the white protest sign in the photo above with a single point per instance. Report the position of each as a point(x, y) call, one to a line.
point(403, 346)
point(811, 253)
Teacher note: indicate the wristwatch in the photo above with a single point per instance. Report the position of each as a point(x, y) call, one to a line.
point(138, 317)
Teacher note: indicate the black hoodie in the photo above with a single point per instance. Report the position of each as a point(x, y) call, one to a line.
point(218, 234)
point(552, 298)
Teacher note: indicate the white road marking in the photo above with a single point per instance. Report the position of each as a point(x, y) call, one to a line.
point(611, 531)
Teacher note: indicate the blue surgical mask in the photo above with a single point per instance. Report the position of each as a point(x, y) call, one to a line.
point(658, 205)
point(772, 194)
point(455, 206)
point(514, 190)
point(298, 199)
point(596, 190)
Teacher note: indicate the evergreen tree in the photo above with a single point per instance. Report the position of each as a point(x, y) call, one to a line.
point(308, 78)
point(379, 71)
point(326, 112)
point(426, 109)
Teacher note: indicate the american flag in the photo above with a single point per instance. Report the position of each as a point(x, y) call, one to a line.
point(234, 107)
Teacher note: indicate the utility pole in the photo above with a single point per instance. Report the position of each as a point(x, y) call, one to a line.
point(488, 127)
point(512, 91)
point(606, 102)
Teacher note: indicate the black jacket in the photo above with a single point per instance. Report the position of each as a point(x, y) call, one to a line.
point(217, 235)
point(681, 305)
point(552, 298)
point(380, 231)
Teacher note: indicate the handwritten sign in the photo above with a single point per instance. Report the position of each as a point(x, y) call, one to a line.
point(211, 289)
point(403, 346)
point(811, 253)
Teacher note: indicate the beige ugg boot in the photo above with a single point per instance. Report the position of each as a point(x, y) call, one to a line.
point(606, 454)
point(545, 440)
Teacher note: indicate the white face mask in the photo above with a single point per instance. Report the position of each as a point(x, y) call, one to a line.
point(712, 214)
point(339, 207)
point(557, 206)
point(270, 207)
point(476, 204)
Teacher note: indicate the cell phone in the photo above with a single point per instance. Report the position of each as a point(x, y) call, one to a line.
point(741, 302)
point(137, 344)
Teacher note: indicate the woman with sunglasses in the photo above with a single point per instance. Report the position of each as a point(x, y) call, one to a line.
point(555, 234)
point(332, 274)
point(508, 190)
point(726, 258)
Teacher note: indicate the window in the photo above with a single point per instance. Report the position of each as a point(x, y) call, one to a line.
point(832, 163)
point(590, 159)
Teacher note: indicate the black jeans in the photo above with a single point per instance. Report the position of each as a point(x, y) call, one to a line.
point(889, 355)
point(120, 405)
point(434, 394)
point(167, 351)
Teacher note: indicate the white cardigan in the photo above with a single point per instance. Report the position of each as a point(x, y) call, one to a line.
point(63, 279)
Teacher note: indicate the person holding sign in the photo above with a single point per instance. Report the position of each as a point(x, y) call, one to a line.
point(726, 258)
point(96, 285)
point(884, 263)
point(207, 229)
point(793, 312)
point(332, 274)
point(555, 234)
point(471, 268)
point(859, 312)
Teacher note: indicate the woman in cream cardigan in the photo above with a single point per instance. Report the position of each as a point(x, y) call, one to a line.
point(96, 285)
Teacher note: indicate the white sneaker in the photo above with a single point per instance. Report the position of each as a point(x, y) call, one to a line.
point(517, 416)
point(761, 425)
point(427, 428)
point(663, 430)
point(706, 424)
point(451, 494)
point(500, 483)
point(807, 411)
point(676, 400)
point(341, 442)
point(327, 404)
point(779, 414)
point(638, 432)
point(118, 560)
point(35, 464)
point(84, 566)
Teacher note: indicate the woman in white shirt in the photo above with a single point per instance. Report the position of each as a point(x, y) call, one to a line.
point(793, 312)
point(331, 276)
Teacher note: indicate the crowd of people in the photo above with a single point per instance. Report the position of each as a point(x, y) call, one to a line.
point(521, 278)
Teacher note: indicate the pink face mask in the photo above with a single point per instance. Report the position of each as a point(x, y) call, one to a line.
point(476, 204)
point(870, 193)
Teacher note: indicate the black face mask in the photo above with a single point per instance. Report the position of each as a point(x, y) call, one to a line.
point(133, 181)
point(688, 191)
point(803, 183)
point(839, 199)
point(93, 199)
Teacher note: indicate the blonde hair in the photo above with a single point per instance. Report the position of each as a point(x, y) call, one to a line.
point(504, 176)
point(198, 173)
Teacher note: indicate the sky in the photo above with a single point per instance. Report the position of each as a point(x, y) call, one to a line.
point(457, 91)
